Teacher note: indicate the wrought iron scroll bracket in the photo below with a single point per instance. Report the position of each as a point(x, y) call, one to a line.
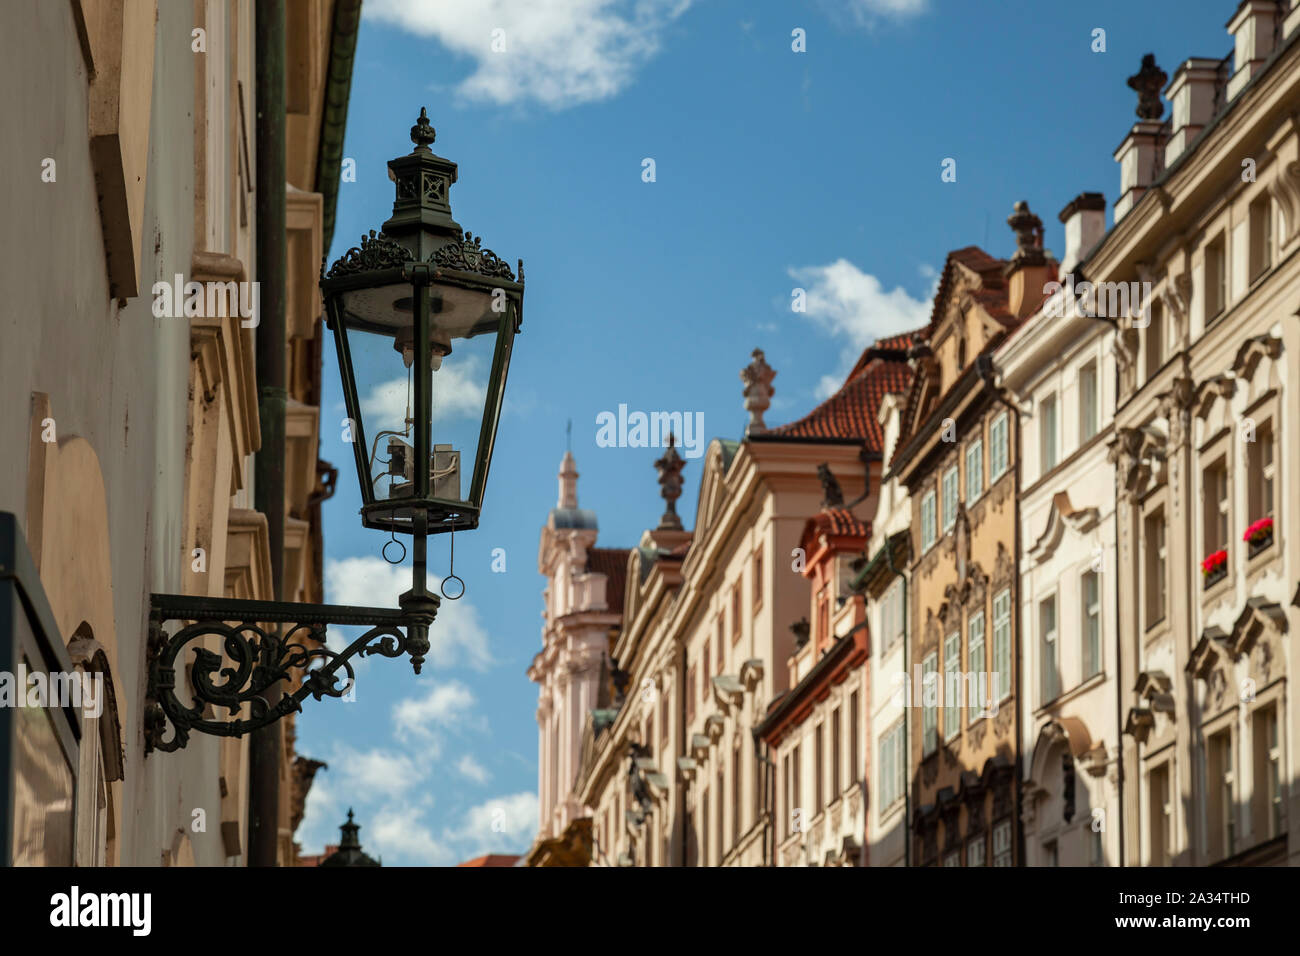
point(266, 646)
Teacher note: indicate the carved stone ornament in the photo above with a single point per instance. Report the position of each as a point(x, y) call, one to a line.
point(1148, 81)
point(1175, 407)
point(468, 255)
point(757, 376)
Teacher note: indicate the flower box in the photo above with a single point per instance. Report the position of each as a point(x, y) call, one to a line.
point(1259, 536)
point(1215, 568)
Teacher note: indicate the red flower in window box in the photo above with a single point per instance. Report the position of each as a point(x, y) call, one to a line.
point(1214, 563)
point(1261, 530)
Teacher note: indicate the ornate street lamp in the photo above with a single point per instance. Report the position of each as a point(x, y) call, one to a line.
point(424, 321)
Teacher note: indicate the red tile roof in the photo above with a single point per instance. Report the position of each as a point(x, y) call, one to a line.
point(841, 521)
point(611, 562)
point(851, 412)
point(491, 859)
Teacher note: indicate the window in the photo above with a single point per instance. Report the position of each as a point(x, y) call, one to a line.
point(927, 520)
point(929, 722)
point(892, 768)
point(998, 447)
point(787, 792)
point(1002, 843)
point(1002, 643)
point(975, 852)
point(1046, 434)
point(736, 626)
point(663, 714)
point(1268, 776)
point(1218, 754)
point(704, 828)
point(974, 469)
point(1160, 812)
point(823, 618)
point(891, 616)
point(949, 498)
point(836, 781)
point(819, 769)
point(690, 693)
point(721, 644)
point(1087, 402)
point(1215, 527)
point(1261, 237)
point(1096, 851)
point(1261, 472)
point(1051, 855)
point(735, 795)
point(705, 673)
point(853, 739)
point(1216, 280)
point(796, 767)
point(1154, 536)
point(722, 807)
point(1049, 686)
point(758, 578)
point(951, 685)
point(1090, 599)
point(975, 649)
point(952, 859)
point(1155, 337)
point(650, 732)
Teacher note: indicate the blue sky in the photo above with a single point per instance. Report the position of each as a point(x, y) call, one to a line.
point(773, 170)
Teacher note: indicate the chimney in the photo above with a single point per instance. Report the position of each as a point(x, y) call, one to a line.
point(1029, 269)
point(1192, 96)
point(1085, 224)
point(1137, 154)
point(1252, 28)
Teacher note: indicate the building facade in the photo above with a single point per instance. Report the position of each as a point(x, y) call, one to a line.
point(139, 421)
point(1207, 218)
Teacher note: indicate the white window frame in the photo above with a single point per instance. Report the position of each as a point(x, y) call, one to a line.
point(1002, 642)
point(1049, 650)
point(952, 685)
point(1088, 409)
point(929, 711)
point(998, 457)
point(929, 528)
point(1049, 428)
point(974, 470)
point(951, 495)
point(1090, 609)
point(978, 665)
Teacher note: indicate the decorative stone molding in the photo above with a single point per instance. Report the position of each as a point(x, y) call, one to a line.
point(1061, 516)
point(700, 748)
point(1139, 724)
point(1252, 352)
point(1175, 407)
point(1153, 687)
point(728, 692)
point(751, 673)
point(1212, 390)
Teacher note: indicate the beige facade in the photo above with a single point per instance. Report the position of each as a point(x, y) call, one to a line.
point(1205, 401)
point(139, 429)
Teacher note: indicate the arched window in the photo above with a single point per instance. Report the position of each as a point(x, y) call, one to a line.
point(100, 755)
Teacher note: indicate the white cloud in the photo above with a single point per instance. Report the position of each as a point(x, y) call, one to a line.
point(499, 824)
point(398, 834)
point(472, 769)
point(442, 706)
point(854, 307)
point(457, 637)
point(459, 391)
point(556, 52)
point(869, 11)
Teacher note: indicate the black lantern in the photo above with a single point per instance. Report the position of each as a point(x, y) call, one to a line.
point(424, 320)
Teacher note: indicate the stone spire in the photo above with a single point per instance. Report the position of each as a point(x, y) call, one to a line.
point(568, 482)
point(1148, 82)
point(757, 376)
point(1029, 235)
point(670, 482)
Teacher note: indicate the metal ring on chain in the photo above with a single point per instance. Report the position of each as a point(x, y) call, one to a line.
point(459, 594)
point(384, 552)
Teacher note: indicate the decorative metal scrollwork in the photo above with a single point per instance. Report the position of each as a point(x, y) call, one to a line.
point(377, 251)
point(468, 255)
point(260, 659)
